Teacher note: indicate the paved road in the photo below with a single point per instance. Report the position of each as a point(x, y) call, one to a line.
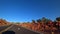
point(21, 30)
point(3, 27)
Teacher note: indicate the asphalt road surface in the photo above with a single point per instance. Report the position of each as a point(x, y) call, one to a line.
point(21, 30)
point(3, 27)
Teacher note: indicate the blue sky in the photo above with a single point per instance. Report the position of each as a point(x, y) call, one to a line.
point(26, 10)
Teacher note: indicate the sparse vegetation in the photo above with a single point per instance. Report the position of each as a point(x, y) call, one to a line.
point(40, 25)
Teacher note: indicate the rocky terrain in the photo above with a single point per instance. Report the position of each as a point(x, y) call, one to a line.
point(3, 22)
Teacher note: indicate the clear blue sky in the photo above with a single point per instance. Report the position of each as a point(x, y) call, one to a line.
point(26, 10)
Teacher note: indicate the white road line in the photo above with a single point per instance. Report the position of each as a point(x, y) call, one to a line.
point(18, 28)
point(6, 29)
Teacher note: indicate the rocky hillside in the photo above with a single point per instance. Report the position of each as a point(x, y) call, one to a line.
point(42, 25)
point(3, 22)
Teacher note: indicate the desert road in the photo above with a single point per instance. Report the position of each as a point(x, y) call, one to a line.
point(17, 30)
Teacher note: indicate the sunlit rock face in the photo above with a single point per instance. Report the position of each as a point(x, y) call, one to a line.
point(39, 26)
point(3, 22)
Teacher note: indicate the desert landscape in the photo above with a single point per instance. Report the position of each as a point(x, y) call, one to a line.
point(44, 25)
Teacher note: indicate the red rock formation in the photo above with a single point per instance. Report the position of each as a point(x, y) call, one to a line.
point(39, 26)
point(3, 22)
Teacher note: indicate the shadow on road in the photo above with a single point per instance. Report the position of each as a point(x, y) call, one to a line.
point(8, 32)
